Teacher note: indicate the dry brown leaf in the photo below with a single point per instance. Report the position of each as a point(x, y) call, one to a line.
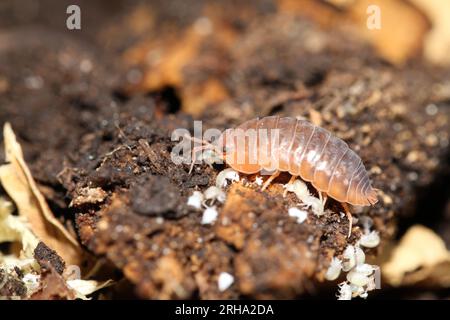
point(164, 57)
point(15, 229)
point(18, 182)
point(403, 27)
point(83, 288)
point(437, 42)
point(315, 117)
point(164, 60)
point(420, 257)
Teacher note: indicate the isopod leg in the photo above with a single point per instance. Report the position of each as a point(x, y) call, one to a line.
point(269, 181)
point(350, 218)
point(291, 181)
point(194, 155)
point(323, 197)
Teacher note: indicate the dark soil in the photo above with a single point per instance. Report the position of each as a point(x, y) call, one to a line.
point(83, 125)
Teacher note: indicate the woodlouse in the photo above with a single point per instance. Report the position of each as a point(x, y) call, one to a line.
point(304, 150)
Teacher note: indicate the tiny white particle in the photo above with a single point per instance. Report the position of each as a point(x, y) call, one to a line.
point(225, 221)
point(160, 220)
point(259, 181)
point(34, 82)
point(195, 200)
point(86, 66)
point(413, 176)
point(431, 109)
point(209, 215)
point(301, 215)
point(203, 26)
point(225, 281)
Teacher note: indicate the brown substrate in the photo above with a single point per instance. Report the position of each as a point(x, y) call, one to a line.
point(83, 128)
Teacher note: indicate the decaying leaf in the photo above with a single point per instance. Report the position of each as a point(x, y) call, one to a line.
point(83, 288)
point(420, 258)
point(402, 30)
point(437, 41)
point(14, 228)
point(19, 184)
point(11, 287)
point(166, 58)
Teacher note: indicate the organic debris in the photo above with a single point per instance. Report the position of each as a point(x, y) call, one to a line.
point(17, 180)
point(420, 257)
point(95, 116)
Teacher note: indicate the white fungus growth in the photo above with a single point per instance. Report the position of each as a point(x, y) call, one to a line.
point(214, 193)
point(209, 215)
point(225, 281)
point(259, 181)
point(226, 175)
point(345, 291)
point(195, 200)
point(301, 191)
point(300, 215)
point(334, 270)
point(370, 239)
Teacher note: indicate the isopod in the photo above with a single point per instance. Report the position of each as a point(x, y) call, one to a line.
point(302, 149)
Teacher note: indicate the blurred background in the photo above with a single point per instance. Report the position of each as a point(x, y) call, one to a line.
point(386, 88)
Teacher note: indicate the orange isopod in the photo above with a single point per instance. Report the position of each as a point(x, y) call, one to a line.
point(304, 150)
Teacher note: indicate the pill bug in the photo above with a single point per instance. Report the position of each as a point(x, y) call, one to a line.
point(302, 149)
